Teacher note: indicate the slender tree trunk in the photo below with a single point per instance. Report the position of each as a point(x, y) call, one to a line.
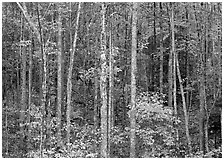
point(186, 118)
point(7, 133)
point(96, 79)
point(133, 80)
point(174, 72)
point(43, 79)
point(124, 77)
point(17, 81)
point(187, 64)
point(111, 66)
point(202, 93)
point(154, 49)
point(170, 79)
point(59, 78)
point(103, 83)
point(201, 98)
point(31, 52)
point(69, 82)
point(150, 61)
point(205, 77)
point(202, 112)
point(111, 85)
point(24, 96)
point(18, 66)
point(161, 50)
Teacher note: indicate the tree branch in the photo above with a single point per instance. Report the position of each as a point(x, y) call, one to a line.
point(27, 17)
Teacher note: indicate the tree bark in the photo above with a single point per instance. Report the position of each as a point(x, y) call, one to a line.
point(133, 80)
point(69, 82)
point(152, 85)
point(170, 80)
point(186, 118)
point(174, 73)
point(43, 79)
point(59, 74)
point(150, 61)
point(187, 63)
point(202, 94)
point(124, 76)
point(161, 50)
point(23, 88)
point(31, 52)
point(103, 83)
point(111, 85)
point(96, 79)
point(205, 77)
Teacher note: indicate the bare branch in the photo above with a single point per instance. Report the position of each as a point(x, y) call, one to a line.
point(27, 17)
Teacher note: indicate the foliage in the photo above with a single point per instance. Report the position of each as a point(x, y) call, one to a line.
point(155, 135)
point(154, 129)
point(214, 153)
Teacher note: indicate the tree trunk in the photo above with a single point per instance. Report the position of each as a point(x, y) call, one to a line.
point(31, 52)
point(150, 61)
point(133, 80)
point(187, 64)
point(161, 50)
point(152, 85)
point(69, 82)
point(174, 73)
point(43, 79)
point(111, 85)
point(186, 118)
point(124, 76)
point(103, 83)
point(170, 79)
point(202, 94)
point(202, 112)
point(23, 88)
point(59, 78)
point(206, 52)
point(96, 112)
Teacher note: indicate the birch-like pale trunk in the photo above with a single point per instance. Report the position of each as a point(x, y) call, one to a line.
point(69, 82)
point(133, 80)
point(43, 79)
point(174, 71)
point(31, 52)
point(59, 76)
point(103, 85)
point(23, 88)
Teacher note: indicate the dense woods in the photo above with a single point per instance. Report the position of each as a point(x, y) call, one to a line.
point(111, 80)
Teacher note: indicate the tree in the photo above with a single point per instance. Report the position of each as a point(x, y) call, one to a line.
point(161, 49)
point(174, 71)
point(69, 82)
point(103, 84)
point(43, 79)
point(111, 84)
point(170, 79)
point(179, 47)
point(201, 76)
point(59, 79)
point(96, 112)
point(31, 52)
point(24, 97)
point(186, 117)
point(133, 80)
